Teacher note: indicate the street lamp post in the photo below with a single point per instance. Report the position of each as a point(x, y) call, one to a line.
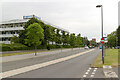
point(100, 6)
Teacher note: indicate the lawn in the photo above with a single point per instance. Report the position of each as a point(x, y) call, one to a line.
point(110, 58)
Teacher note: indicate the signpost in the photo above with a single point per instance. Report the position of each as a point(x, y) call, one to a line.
point(102, 42)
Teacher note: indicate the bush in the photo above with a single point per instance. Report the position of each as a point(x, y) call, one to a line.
point(52, 46)
point(67, 46)
point(13, 47)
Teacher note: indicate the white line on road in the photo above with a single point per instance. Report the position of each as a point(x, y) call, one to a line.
point(37, 66)
point(93, 72)
point(86, 72)
point(92, 76)
point(89, 72)
point(84, 76)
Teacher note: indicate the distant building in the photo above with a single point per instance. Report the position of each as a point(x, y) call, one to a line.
point(10, 28)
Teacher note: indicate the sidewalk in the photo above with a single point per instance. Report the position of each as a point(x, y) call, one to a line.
point(26, 56)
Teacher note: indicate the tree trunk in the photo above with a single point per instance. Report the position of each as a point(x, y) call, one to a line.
point(35, 51)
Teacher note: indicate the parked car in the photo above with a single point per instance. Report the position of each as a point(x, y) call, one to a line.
point(86, 47)
point(118, 47)
point(90, 47)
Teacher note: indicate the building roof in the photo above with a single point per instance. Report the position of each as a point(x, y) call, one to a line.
point(15, 21)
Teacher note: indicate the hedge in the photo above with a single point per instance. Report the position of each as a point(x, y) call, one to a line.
point(18, 46)
point(13, 47)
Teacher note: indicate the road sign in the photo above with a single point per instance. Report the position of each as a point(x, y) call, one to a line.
point(102, 40)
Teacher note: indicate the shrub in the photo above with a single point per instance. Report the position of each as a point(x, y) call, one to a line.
point(13, 47)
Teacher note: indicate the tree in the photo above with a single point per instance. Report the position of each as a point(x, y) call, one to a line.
point(72, 39)
point(31, 21)
point(47, 34)
point(52, 34)
point(34, 35)
point(67, 38)
point(112, 39)
point(93, 43)
point(118, 35)
point(14, 39)
point(78, 40)
point(58, 37)
point(63, 38)
point(85, 41)
point(22, 35)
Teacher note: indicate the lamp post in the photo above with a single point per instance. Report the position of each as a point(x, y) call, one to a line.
point(100, 6)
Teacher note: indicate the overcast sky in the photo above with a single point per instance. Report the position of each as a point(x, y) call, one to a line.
point(77, 16)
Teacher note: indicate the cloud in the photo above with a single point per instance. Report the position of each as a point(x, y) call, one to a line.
point(78, 16)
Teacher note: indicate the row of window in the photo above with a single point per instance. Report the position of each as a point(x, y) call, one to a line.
point(9, 32)
point(12, 25)
point(5, 39)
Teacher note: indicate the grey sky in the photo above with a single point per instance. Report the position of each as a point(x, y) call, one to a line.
point(77, 16)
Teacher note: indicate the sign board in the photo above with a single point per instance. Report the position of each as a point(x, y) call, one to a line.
point(102, 40)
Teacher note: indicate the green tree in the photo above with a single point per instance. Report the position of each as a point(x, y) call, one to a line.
point(53, 34)
point(112, 39)
point(34, 35)
point(58, 37)
point(93, 43)
point(47, 34)
point(72, 39)
point(63, 38)
point(22, 35)
point(118, 36)
point(67, 38)
point(78, 40)
point(85, 41)
point(14, 39)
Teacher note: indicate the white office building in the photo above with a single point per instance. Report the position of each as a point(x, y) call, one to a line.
point(10, 28)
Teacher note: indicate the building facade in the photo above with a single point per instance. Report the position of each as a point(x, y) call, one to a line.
point(10, 28)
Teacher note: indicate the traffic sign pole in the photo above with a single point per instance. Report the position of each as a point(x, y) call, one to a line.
point(102, 32)
point(101, 28)
point(102, 42)
point(102, 55)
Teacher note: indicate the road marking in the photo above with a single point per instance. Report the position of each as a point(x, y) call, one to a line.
point(37, 66)
point(84, 75)
point(93, 72)
point(92, 76)
point(88, 70)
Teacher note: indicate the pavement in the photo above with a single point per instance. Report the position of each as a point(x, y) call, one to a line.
point(78, 67)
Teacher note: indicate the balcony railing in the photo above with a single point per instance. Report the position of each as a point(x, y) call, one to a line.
point(5, 42)
point(8, 35)
point(11, 28)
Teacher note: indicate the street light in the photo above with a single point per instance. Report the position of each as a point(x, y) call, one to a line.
point(100, 6)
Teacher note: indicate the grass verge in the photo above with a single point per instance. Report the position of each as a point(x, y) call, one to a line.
point(110, 58)
point(20, 53)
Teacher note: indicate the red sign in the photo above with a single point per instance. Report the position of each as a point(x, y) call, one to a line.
point(102, 40)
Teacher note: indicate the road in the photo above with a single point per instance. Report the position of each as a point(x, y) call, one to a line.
point(78, 67)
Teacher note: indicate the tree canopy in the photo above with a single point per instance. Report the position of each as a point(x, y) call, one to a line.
point(112, 39)
point(118, 35)
point(34, 35)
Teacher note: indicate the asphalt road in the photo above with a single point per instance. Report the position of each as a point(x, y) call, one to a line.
point(73, 68)
point(44, 57)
